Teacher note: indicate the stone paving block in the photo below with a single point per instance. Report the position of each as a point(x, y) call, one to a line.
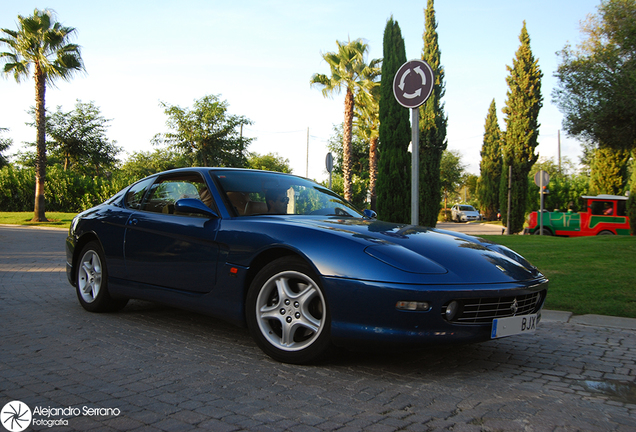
point(172, 425)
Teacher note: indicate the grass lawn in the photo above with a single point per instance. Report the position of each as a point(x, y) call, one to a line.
point(588, 275)
point(58, 220)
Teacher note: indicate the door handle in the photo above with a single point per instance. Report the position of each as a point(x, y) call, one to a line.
point(133, 222)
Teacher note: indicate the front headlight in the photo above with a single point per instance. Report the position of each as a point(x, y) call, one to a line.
point(74, 223)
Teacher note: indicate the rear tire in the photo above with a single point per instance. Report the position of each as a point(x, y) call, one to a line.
point(287, 313)
point(91, 281)
point(605, 232)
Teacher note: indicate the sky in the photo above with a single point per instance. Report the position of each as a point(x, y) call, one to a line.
point(259, 56)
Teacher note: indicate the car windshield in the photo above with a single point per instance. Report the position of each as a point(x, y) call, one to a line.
point(466, 208)
point(257, 192)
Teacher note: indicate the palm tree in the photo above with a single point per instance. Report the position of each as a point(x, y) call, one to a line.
point(42, 43)
point(367, 107)
point(348, 70)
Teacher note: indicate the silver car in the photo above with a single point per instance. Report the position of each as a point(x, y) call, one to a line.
point(464, 213)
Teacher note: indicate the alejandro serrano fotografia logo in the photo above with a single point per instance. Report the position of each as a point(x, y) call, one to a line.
point(16, 416)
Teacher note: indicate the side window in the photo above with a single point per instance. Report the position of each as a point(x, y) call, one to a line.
point(165, 192)
point(603, 208)
point(136, 193)
point(621, 208)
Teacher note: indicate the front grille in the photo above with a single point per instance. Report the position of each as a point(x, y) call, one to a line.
point(484, 310)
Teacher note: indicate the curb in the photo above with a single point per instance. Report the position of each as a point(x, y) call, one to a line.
point(33, 226)
point(590, 320)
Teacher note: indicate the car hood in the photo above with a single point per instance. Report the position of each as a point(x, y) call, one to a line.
point(444, 256)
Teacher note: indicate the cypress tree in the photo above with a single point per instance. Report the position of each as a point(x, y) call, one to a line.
point(523, 103)
point(432, 126)
point(609, 171)
point(490, 166)
point(394, 180)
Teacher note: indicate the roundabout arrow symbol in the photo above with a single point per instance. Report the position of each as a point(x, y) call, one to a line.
point(417, 93)
point(403, 79)
point(420, 72)
point(413, 83)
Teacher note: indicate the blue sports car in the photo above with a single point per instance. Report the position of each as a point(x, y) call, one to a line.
point(298, 265)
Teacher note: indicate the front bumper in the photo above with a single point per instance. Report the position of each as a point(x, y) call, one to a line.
point(365, 312)
point(70, 249)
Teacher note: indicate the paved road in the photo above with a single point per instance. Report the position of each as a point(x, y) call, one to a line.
point(154, 368)
point(472, 228)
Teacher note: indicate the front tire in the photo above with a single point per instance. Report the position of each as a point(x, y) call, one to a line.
point(287, 313)
point(545, 232)
point(92, 281)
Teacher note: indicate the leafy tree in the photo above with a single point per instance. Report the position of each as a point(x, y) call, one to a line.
point(468, 190)
point(207, 134)
point(523, 103)
point(359, 164)
point(587, 158)
point(350, 70)
point(269, 162)
point(359, 188)
point(451, 174)
point(5, 143)
point(566, 186)
point(142, 164)
point(393, 186)
point(597, 81)
point(79, 139)
point(609, 171)
point(359, 159)
point(490, 166)
point(44, 44)
point(433, 123)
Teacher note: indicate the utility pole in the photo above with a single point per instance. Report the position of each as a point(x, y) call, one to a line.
point(307, 166)
point(509, 199)
point(559, 144)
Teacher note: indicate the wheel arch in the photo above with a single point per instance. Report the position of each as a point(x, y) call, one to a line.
point(605, 231)
point(269, 255)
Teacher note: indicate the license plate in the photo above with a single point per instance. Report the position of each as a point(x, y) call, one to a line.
point(513, 325)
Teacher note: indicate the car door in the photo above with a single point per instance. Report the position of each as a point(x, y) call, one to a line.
point(167, 249)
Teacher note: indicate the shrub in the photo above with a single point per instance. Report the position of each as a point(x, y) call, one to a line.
point(64, 191)
point(445, 216)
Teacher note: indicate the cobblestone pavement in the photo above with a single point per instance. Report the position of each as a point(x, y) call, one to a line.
point(154, 368)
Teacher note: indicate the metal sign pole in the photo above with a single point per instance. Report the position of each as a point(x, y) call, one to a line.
point(509, 199)
point(541, 194)
point(541, 179)
point(415, 166)
point(329, 166)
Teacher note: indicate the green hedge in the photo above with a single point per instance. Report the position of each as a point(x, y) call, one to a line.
point(64, 191)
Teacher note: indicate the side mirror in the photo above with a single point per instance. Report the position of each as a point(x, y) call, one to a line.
point(191, 205)
point(370, 214)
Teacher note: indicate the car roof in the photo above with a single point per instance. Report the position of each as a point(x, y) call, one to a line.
point(607, 197)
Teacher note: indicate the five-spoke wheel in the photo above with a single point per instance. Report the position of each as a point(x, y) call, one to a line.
point(92, 281)
point(287, 313)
